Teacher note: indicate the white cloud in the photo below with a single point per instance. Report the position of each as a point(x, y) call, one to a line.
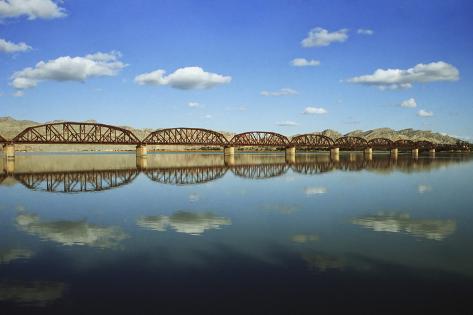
point(33, 9)
point(69, 69)
point(10, 47)
point(399, 78)
point(186, 78)
point(321, 37)
point(309, 191)
point(421, 189)
point(424, 113)
point(193, 104)
point(409, 103)
point(280, 92)
point(365, 31)
point(302, 62)
point(287, 123)
point(18, 94)
point(314, 110)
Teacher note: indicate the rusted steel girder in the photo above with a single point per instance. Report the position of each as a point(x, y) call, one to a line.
point(315, 141)
point(259, 139)
point(186, 136)
point(351, 143)
point(76, 133)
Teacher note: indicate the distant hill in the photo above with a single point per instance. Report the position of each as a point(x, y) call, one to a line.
point(10, 127)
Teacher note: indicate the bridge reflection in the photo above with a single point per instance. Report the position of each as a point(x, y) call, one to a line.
point(84, 175)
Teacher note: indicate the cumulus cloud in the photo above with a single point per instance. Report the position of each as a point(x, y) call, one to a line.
point(280, 92)
point(424, 113)
point(409, 103)
point(302, 62)
point(310, 191)
point(287, 123)
point(186, 78)
point(70, 232)
point(33, 9)
point(314, 111)
point(365, 31)
point(399, 78)
point(10, 47)
point(184, 222)
point(69, 69)
point(319, 37)
point(193, 104)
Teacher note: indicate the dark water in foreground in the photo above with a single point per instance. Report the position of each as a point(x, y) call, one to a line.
point(184, 233)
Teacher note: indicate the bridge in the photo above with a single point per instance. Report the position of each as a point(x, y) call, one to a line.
point(101, 134)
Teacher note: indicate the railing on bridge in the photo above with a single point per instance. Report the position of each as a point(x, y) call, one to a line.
point(76, 133)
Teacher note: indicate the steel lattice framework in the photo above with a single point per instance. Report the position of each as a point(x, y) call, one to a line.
point(83, 181)
point(260, 171)
point(404, 144)
point(3, 140)
point(76, 133)
point(424, 145)
point(186, 136)
point(185, 175)
point(312, 141)
point(381, 144)
point(351, 143)
point(259, 139)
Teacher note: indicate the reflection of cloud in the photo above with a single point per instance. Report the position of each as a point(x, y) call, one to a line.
point(423, 188)
point(318, 262)
point(315, 190)
point(403, 223)
point(70, 232)
point(194, 197)
point(281, 208)
point(304, 238)
point(9, 255)
point(184, 222)
point(35, 293)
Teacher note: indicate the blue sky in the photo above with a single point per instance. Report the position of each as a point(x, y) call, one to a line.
point(227, 65)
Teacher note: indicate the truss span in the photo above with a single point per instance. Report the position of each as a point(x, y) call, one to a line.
point(185, 175)
point(424, 145)
point(76, 133)
point(312, 141)
point(75, 182)
point(404, 144)
point(186, 136)
point(259, 139)
point(380, 144)
point(351, 143)
point(3, 140)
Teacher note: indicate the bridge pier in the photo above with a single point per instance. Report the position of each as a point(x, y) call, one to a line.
point(9, 166)
point(229, 151)
point(142, 162)
point(290, 155)
point(415, 153)
point(141, 150)
point(368, 154)
point(394, 153)
point(335, 154)
point(432, 153)
point(9, 151)
point(229, 159)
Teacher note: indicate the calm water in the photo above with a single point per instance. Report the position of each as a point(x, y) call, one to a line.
point(189, 233)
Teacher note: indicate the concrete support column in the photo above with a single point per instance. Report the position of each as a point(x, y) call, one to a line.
point(229, 151)
point(141, 150)
point(9, 151)
point(368, 154)
point(291, 151)
point(415, 153)
point(432, 152)
point(335, 154)
point(394, 153)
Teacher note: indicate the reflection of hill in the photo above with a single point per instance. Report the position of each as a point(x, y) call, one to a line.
point(37, 293)
point(403, 223)
point(70, 232)
point(11, 254)
point(184, 222)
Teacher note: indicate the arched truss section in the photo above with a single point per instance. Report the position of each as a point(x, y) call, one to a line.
point(185, 175)
point(381, 144)
point(186, 136)
point(312, 141)
point(3, 140)
point(76, 133)
point(76, 182)
point(313, 168)
point(404, 144)
point(351, 143)
point(424, 145)
point(260, 171)
point(260, 139)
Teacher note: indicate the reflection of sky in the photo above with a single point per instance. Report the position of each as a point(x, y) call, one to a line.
point(272, 213)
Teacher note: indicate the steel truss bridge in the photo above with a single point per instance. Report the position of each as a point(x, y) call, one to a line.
point(101, 134)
